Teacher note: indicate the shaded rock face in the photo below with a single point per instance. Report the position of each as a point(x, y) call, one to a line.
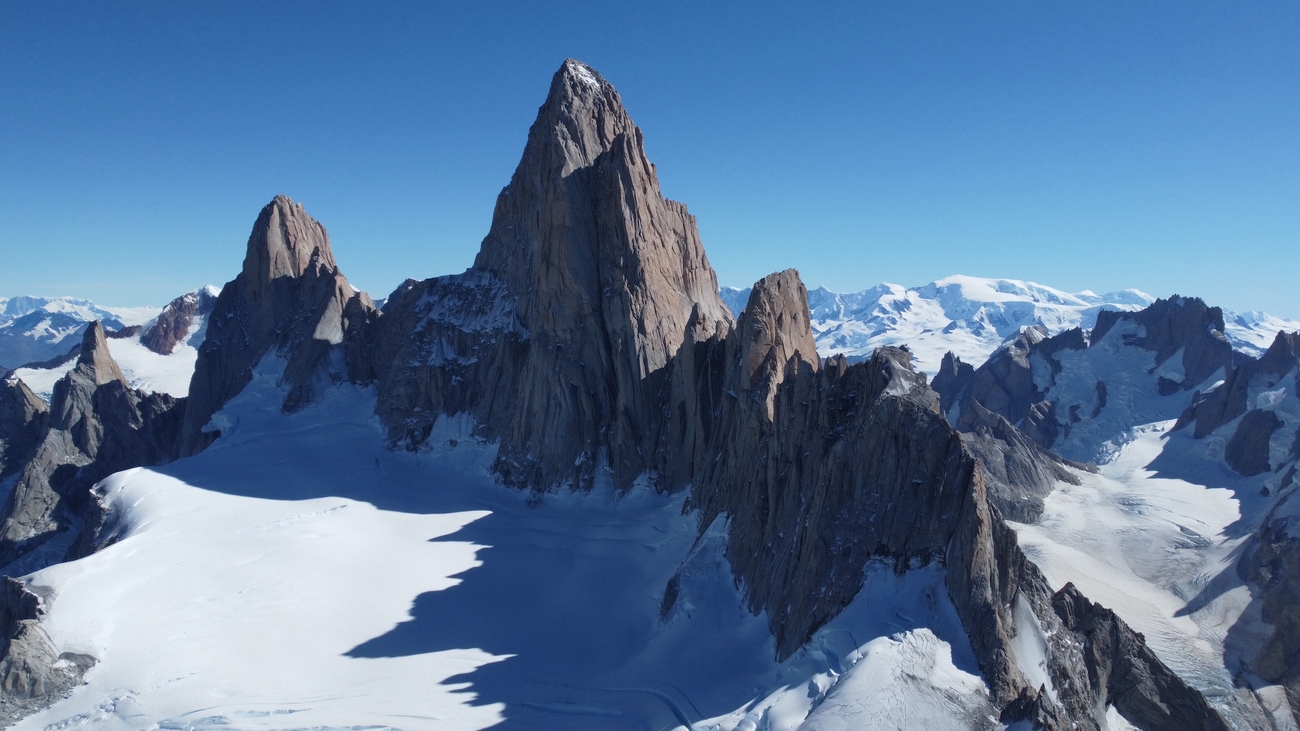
point(1022, 381)
point(952, 380)
point(820, 468)
point(96, 425)
point(602, 275)
point(33, 673)
point(22, 419)
point(1124, 671)
point(1274, 565)
point(176, 320)
point(1176, 324)
point(1247, 450)
point(1006, 385)
point(290, 300)
point(1231, 399)
point(1018, 474)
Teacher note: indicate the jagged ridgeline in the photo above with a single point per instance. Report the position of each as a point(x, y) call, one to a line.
point(590, 342)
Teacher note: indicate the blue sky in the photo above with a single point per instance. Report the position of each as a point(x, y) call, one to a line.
point(1081, 145)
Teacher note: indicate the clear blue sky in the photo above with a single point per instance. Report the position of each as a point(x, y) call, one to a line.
point(1081, 145)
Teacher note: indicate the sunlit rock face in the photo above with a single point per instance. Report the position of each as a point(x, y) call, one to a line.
point(290, 300)
point(589, 278)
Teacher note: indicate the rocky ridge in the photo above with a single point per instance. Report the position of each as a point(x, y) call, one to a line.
point(95, 425)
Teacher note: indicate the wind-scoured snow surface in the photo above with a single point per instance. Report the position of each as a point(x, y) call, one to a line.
point(972, 316)
point(300, 574)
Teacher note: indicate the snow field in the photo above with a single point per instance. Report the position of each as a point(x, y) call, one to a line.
point(299, 574)
point(1155, 537)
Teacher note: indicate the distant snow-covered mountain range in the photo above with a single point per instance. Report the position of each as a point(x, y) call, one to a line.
point(972, 316)
point(155, 347)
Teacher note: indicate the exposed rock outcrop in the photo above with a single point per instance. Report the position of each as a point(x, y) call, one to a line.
point(952, 380)
point(820, 468)
point(1273, 563)
point(1018, 474)
point(600, 275)
point(1021, 381)
point(1124, 672)
point(1177, 324)
point(177, 319)
point(22, 419)
point(96, 425)
point(290, 300)
point(1225, 402)
point(33, 673)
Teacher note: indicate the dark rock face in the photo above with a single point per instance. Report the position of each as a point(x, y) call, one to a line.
point(96, 426)
point(175, 321)
point(291, 300)
point(820, 468)
point(951, 381)
point(22, 419)
point(601, 274)
point(33, 673)
point(1005, 384)
point(1178, 323)
point(1018, 473)
point(1220, 405)
point(1124, 671)
point(1274, 565)
point(1247, 450)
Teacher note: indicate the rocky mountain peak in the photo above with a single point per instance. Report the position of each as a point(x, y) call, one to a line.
point(95, 359)
point(286, 242)
point(602, 276)
point(774, 327)
point(174, 323)
point(290, 299)
point(580, 119)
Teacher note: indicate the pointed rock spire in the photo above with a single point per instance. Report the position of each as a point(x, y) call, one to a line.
point(602, 274)
point(290, 298)
point(95, 358)
point(776, 325)
point(285, 242)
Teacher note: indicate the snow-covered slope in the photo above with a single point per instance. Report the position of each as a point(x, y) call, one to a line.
point(1155, 537)
point(335, 583)
point(1158, 532)
point(972, 316)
